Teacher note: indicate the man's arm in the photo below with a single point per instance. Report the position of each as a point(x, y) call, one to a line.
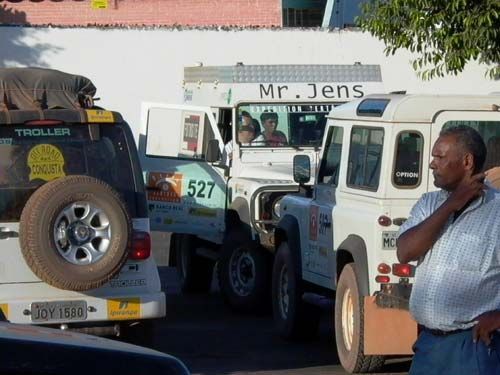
point(415, 242)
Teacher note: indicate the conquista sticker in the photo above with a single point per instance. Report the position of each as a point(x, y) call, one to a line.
point(46, 162)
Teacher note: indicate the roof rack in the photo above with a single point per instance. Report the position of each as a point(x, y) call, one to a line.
point(39, 88)
point(81, 116)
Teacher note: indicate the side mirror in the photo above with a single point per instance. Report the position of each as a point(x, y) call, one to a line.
point(301, 169)
point(213, 153)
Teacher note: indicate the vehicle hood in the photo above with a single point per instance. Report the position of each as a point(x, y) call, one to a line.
point(273, 164)
point(269, 171)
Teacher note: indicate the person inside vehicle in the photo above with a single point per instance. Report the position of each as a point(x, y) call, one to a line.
point(245, 119)
point(245, 135)
point(270, 136)
point(256, 126)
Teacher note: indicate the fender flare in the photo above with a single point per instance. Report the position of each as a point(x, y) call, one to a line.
point(238, 216)
point(354, 247)
point(288, 230)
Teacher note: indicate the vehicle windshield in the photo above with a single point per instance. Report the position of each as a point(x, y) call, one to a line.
point(31, 156)
point(282, 125)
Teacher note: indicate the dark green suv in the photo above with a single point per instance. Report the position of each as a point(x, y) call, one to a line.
point(74, 228)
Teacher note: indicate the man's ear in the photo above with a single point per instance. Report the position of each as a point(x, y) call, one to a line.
point(469, 162)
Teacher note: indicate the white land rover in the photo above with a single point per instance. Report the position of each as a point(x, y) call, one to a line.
point(338, 240)
point(225, 209)
point(74, 230)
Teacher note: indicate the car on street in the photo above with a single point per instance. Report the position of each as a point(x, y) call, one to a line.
point(38, 350)
point(74, 227)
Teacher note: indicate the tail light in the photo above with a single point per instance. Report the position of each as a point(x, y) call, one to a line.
point(382, 279)
point(141, 246)
point(384, 268)
point(384, 221)
point(44, 122)
point(403, 270)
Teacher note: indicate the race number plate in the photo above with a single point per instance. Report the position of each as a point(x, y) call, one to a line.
point(58, 311)
point(389, 240)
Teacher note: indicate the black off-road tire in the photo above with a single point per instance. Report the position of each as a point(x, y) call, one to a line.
point(352, 358)
point(36, 233)
point(293, 318)
point(257, 297)
point(194, 271)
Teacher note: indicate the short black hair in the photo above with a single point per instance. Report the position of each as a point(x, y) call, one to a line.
point(470, 140)
point(266, 115)
point(246, 114)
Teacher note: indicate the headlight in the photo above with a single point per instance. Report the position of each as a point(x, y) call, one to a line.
point(276, 207)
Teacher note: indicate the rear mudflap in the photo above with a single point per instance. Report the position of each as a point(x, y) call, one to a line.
point(387, 331)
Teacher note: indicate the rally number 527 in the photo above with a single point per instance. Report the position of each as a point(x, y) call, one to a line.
point(200, 188)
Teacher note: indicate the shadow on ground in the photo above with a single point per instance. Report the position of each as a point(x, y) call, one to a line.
point(210, 339)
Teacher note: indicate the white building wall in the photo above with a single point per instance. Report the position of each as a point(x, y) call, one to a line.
point(131, 66)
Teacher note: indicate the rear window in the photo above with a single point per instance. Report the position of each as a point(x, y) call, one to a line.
point(490, 132)
point(31, 156)
point(408, 162)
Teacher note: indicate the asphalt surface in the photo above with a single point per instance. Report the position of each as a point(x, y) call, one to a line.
point(210, 339)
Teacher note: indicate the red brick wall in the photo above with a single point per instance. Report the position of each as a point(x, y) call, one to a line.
point(264, 13)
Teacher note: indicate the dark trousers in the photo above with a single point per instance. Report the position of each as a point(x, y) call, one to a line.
point(455, 354)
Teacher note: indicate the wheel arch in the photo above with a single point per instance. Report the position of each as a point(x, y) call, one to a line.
point(238, 217)
point(353, 250)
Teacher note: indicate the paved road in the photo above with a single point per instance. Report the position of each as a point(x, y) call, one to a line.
point(210, 340)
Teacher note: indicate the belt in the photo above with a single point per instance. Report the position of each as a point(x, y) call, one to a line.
point(438, 332)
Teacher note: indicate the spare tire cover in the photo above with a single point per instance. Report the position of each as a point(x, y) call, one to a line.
point(75, 233)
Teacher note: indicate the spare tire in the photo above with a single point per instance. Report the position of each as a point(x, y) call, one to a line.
point(75, 233)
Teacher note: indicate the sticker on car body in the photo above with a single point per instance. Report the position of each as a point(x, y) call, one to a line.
point(43, 132)
point(167, 187)
point(46, 163)
point(6, 141)
point(124, 308)
point(99, 116)
point(5, 309)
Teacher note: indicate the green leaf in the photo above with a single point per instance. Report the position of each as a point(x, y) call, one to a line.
point(445, 34)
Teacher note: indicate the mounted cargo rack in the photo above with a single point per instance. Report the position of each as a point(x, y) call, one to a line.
point(37, 88)
point(45, 117)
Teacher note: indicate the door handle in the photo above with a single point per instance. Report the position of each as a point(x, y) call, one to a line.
point(7, 233)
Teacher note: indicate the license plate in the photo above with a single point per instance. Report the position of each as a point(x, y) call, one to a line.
point(58, 311)
point(389, 240)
